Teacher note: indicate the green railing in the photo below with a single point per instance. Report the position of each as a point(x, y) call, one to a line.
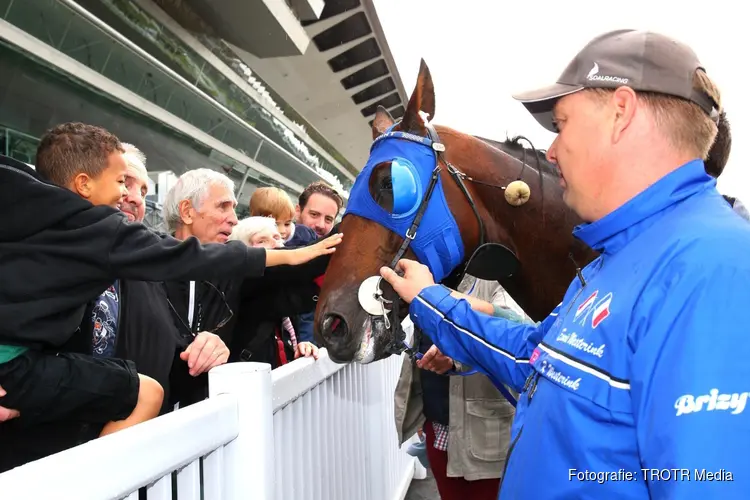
point(70, 32)
point(195, 69)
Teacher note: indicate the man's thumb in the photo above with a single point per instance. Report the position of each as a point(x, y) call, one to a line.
point(389, 274)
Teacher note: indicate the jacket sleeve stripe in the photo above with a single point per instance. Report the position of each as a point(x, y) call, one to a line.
point(615, 382)
point(473, 336)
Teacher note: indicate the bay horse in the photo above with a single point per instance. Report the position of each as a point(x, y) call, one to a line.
point(472, 173)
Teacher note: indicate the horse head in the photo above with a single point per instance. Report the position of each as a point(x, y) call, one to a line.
point(456, 203)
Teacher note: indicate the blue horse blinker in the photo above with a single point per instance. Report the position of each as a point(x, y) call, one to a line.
point(437, 240)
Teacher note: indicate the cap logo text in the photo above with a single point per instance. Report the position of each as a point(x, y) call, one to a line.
point(594, 76)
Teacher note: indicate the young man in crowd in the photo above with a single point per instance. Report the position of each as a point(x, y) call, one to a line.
point(319, 205)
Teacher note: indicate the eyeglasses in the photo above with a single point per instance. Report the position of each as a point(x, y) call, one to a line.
point(215, 329)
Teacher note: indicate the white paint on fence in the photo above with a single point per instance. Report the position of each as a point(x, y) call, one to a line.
point(310, 430)
point(142, 455)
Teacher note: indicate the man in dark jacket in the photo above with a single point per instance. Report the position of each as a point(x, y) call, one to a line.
point(145, 332)
point(202, 205)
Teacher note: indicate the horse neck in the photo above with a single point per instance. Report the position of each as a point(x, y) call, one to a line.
point(539, 232)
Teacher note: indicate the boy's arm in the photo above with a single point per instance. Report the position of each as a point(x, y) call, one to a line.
point(140, 254)
point(303, 254)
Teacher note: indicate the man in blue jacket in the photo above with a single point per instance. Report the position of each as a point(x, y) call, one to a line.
point(637, 385)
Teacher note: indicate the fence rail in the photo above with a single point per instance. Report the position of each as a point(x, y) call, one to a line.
point(309, 430)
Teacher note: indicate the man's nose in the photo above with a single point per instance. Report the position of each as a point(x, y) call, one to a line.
point(135, 199)
point(552, 152)
point(233, 219)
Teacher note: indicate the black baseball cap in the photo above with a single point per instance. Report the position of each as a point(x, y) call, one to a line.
point(641, 60)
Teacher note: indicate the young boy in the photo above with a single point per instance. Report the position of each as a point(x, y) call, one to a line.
point(63, 242)
point(274, 202)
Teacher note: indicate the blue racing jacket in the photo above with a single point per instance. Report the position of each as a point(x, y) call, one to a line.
point(636, 386)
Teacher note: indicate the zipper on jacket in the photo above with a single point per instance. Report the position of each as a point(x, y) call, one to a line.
point(532, 381)
point(530, 387)
point(507, 460)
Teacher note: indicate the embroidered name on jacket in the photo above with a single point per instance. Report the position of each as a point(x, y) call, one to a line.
point(576, 352)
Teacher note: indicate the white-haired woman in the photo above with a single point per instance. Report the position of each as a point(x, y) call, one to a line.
point(264, 330)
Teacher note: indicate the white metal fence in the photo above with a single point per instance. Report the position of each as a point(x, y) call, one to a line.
point(308, 430)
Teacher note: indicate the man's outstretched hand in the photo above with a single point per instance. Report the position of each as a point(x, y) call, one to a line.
point(416, 278)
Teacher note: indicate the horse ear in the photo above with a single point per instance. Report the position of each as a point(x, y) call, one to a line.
point(422, 99)
point(382, 121)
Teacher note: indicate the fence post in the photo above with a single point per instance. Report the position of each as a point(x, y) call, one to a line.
point(249, 459)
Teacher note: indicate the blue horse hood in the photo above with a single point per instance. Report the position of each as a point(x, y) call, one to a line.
point(437, 242)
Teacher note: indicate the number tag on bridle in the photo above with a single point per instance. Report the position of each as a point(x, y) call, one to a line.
point(371, 297)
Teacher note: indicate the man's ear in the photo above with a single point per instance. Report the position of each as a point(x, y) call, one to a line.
point(82, 185)
point(297, 212)
point(625, 102)
point(186, 211)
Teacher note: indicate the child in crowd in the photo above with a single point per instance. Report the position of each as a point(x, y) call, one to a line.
point(63, 243)
point(274, 202)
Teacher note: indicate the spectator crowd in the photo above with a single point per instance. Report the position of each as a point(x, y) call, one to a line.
point(106, 323)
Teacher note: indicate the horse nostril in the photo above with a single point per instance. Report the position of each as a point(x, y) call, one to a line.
point(334, 326)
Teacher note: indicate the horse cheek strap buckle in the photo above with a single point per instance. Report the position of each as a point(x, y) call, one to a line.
point(374, 303)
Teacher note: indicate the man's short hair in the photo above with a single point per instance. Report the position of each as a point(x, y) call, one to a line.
point(193, 185)
point(250, 226)
point(271, 202)
point(73, 148)
point(684, 124)
point(320, 187)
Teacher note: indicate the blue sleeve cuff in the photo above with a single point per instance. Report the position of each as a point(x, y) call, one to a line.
point(430, 306)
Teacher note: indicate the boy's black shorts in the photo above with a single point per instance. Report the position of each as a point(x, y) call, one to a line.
point(50, 387)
